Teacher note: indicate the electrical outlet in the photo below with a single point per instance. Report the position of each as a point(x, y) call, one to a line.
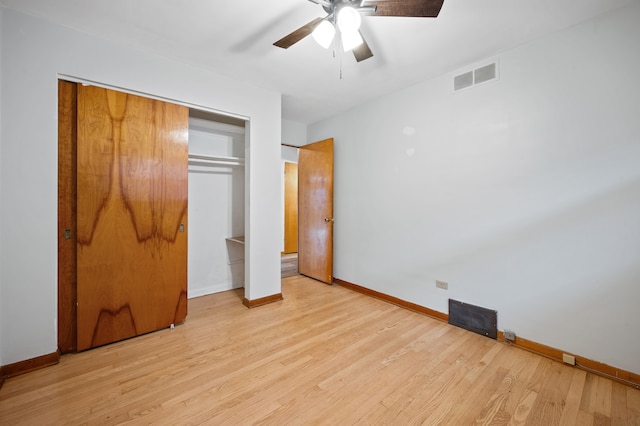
point(569, 359)
point(509, 335)
point(443, 285)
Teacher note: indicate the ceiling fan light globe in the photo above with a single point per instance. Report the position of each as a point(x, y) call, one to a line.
point(351, 40)
point(323, 34)
point(349, 19)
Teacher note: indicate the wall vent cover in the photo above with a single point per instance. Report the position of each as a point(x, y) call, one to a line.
point(477, 76)
point(474, 318)
point(463, 81)
point(484, 74)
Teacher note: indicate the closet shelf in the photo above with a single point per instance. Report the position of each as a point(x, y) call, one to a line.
point(239, 240)
point(212, 160)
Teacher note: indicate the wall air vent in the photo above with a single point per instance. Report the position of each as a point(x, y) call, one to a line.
point(474, 318)
point(463, 81)
point(483, 74)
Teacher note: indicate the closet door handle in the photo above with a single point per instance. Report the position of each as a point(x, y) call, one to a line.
point(328, 219)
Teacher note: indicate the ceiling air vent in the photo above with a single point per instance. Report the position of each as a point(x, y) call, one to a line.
point(477, 76)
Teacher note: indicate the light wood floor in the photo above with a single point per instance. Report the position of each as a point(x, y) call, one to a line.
point(288, 265)
point(325, 355)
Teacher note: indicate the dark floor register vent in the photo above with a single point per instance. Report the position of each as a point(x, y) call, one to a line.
point(474, 318)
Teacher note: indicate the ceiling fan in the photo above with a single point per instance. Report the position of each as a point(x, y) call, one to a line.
point(345, 15)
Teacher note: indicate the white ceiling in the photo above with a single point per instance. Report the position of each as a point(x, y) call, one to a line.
point(235, 38)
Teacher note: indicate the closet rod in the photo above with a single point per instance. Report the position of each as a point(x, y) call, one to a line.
point(197, 162)
point(207, 160)
point(214, 157)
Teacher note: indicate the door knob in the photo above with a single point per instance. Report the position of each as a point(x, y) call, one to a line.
point(328, 219)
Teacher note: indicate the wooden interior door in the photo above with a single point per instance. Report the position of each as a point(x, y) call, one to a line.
point(315, 210)
point(132, 166)
point(290, 208)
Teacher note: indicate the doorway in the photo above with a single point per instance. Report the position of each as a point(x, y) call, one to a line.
point(289, 253)
point(314, 224)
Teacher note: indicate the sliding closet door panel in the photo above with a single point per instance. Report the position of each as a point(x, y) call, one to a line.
point(67, 285)
point(132, 211)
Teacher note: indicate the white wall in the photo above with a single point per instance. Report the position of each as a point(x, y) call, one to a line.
point(293, 133)
point(523, 194)
point(34, 53)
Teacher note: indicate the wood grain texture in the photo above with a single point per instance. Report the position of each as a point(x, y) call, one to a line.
point(290, 208)
point(297, 35)
point(288, 265)
point(315, 210)
point(67, 206)
point(396, 301)
point(132, 197)
point(262, 300)
point(29, 365)
point(616, 374)
point(409, 8)
point(325, 355)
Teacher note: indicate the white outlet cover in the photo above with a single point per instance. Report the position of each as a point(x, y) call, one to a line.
point(443, 285)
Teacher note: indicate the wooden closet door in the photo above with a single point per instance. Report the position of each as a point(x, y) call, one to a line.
point(132, 160)
point(67, 209)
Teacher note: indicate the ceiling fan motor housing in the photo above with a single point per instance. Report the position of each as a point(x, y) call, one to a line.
point(334, 5)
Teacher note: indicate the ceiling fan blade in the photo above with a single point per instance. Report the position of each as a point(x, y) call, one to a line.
point(411, 8)
point(323, 3)
point(291, 39)
point(363, 51)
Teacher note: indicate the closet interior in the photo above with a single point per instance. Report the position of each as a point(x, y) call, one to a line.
point(216, 203)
